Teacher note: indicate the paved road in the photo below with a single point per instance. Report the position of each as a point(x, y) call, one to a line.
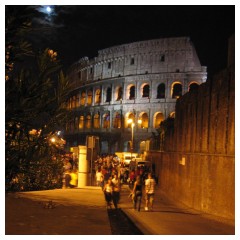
point(83, 212)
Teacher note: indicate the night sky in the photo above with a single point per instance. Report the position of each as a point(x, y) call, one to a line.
point(81, 30)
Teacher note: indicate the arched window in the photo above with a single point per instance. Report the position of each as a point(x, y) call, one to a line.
point(132, 93)
point(117, 120)
point(172, 115)
point(88, 121)
point(74, 102)
point(143, 121)
point(177, 90)
point(77, 100)
point(96, 121)
point(106, 120)
point(98, 96)
point(119, 94)
point(83, 98)
point(128, 123)
point(81, 122)
point(89, 98)
point(161, 91)
point(193, 87)
point(145, 92)
point(109, 94)
point(158, 119)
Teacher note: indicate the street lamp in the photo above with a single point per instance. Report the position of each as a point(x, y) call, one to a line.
point(130, 121)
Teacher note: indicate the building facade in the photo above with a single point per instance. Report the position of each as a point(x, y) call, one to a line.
point(124, 93)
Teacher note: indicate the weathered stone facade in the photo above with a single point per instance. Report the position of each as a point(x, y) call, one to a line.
point(139, 81)
point(197, 166)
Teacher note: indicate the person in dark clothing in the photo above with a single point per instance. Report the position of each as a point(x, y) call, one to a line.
point(116, 190)
point(137, 193)
point(67, 179)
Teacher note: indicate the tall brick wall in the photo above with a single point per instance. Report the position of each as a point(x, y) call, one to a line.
point(197, 166)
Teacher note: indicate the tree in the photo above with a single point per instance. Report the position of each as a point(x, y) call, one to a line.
point(35, 93)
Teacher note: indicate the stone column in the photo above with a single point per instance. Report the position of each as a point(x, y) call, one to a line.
point(82, 166)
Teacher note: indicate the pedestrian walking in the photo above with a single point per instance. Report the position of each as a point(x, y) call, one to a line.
point(137, 193)
point(98, 177)
point(67, 178)
point(102, 182)
point(149, 189)
point(74, 179)
point(116, 190)
point(108, 189)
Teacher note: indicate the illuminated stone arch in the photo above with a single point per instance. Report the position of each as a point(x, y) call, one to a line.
point(129, 115)
point(143, 121)
point(88, 121)
point(83, 98)
point(117, 121)
point(98, 96)
point(193, 86)
point(172, 115)
point(78, 100)
point(81, 122)
point(176, 90)
point(157, 119)
point(130, 92)
point(89, 97)
point(73, 101)
point(96, 120)
point(106, 120)
point(145, 90)
point(118, 94)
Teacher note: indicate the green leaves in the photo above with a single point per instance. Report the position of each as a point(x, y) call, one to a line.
point(34, 93)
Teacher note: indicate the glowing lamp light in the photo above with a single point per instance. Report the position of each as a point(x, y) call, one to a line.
point(53, 140)
point(130, 120)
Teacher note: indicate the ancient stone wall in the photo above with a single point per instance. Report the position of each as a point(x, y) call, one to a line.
point(197, 167)
point(141, 79)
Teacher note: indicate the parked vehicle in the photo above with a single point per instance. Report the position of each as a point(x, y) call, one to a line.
point(126, 157)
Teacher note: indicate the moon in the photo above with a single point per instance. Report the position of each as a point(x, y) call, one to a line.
point(48, 9)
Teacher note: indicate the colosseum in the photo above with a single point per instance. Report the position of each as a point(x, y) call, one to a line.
point(122, 95)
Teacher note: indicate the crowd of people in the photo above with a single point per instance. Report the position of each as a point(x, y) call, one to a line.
point(111, 173)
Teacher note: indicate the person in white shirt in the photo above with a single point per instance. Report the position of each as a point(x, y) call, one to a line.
point(149, 189)
point(98, 178)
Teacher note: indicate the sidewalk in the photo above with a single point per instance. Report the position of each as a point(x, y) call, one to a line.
point(71, 212)
point(169, 218)
point(82, 211)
